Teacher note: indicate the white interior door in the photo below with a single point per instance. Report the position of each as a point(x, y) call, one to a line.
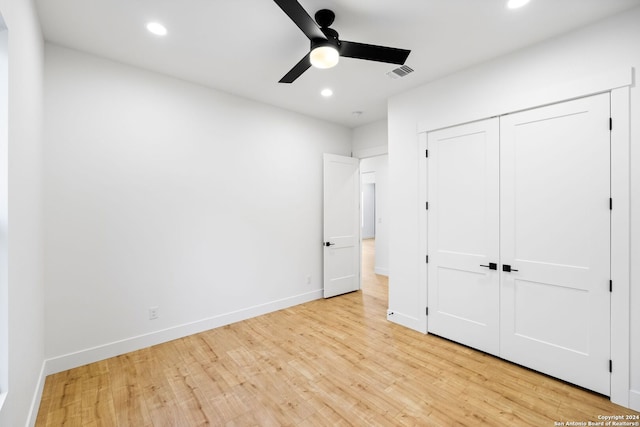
point(341, 225)
point(463, 234)
point(555, 225)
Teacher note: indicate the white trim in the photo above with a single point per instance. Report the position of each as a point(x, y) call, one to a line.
point(618, 83)
point(422, 226)
point(634, 400)
point(557, 92)
point(403, 320)
point(37, 398)
point(95, 354)
point(359, 173)
point(620, 245)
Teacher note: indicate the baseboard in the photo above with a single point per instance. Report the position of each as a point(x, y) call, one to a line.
point(37, 397)
point(634, 400)
point(381, 271)
point(95, 354)
point(404, 320)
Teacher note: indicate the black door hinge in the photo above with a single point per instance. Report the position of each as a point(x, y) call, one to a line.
point(610, 123)
point(426, 311)
point(426, 205)
point(426, 153)
point(610, 204)
point(426, 259)
point(610, 365)
point(610, 285)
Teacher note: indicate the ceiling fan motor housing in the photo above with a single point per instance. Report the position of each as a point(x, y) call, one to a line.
point(330, 41)
point(325, 17)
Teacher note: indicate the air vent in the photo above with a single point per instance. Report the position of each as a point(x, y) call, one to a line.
point(400, 72)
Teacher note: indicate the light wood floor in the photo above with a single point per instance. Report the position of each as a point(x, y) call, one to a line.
point(325, 363)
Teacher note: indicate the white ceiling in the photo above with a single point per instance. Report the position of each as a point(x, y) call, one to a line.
point(245, 46)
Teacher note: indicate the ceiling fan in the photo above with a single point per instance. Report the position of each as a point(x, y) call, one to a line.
point(326, 47)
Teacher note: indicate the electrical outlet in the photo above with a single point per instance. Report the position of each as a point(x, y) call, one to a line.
point(308, 279)
point(154, 312)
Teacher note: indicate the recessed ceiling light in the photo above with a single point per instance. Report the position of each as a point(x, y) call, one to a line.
point(157, 29)
point(326, 92)
point(515, 4)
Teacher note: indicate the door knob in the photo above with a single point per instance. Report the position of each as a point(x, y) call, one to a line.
point(507, 268)
point(329, 243)
point(491, 266)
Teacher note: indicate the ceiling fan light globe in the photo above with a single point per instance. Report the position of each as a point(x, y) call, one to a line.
point(324, 57)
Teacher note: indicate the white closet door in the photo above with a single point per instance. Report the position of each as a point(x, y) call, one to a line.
point(555, 225)
point(463, 234)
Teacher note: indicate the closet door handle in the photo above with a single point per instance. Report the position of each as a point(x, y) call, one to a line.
point(491, 266)
point(329, 244)
point(507, 268)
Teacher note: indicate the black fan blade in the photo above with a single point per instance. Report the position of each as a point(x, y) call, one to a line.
point(301, 18)
point(297, 71)
point(374, 53)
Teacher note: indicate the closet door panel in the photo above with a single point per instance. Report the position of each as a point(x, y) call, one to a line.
point(463, 227)
point(555, 224)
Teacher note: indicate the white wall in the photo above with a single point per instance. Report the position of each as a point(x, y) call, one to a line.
point(24, 321)
point(370, 140)
point(4, 209)
point(379, 166)
point(164, 193)
point(498, 87)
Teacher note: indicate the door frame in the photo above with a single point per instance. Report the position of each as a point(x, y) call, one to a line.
point(364, 209)
point(620, 224)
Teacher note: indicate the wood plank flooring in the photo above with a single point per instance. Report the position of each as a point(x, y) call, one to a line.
point(333, 362)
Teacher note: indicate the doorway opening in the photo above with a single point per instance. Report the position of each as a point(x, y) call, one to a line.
point(374, 234)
